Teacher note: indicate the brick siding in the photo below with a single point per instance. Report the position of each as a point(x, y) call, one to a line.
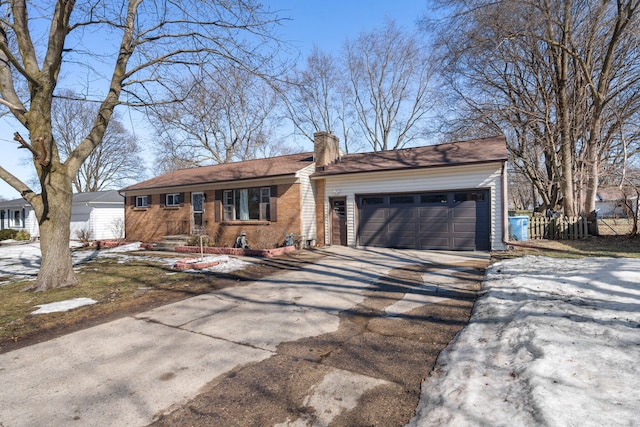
point(152, 223)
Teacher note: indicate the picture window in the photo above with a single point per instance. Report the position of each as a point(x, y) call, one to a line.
point(247, 204)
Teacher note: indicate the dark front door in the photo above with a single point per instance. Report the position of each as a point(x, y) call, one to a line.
point(339, 221)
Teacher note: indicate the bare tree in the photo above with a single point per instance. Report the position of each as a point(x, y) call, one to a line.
point(560, 78)
point(134, 52)
point(225, 115)
point(114, 163)
point(320, 99)
point(389, 74)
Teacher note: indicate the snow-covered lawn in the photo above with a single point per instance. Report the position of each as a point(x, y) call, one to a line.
point(22, 261)
point(552, 342)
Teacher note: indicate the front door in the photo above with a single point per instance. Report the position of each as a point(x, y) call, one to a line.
point(338, 221)
point(197, 204)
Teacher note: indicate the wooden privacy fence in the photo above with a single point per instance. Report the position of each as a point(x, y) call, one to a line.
point(567, 228)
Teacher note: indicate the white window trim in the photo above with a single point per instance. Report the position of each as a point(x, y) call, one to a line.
point(139, 201)
point(174, 197)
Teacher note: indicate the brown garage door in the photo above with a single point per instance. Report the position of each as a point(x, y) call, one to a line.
point(454, 220)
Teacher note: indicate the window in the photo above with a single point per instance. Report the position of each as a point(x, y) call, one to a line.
point(142, 201)
point(400, 200)
point(433, 198)
point(247, 204)
point(173, 199)
point(472, 195)
point(366, 201)
point(17, 219)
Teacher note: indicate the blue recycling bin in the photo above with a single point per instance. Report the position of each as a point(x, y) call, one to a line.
point(519, 228)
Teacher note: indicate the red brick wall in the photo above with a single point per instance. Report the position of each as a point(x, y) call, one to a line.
point(152, 223)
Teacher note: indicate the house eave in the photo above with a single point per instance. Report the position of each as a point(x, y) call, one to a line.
point(323, 174)
point(213, 185)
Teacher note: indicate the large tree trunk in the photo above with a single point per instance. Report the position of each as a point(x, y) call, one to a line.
point(592, 179)
point(54, 217)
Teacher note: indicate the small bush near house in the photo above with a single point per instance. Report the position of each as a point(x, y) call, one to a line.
point(117, 227)
point(8, 233)
point(194, 240)
point(84, 235)
point(22, 235)
point(265, 238)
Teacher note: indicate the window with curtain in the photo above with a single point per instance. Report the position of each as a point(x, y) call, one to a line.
point(247, 204)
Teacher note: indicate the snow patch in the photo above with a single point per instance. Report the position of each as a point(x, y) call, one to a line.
point(66, 305)
point(550, 342)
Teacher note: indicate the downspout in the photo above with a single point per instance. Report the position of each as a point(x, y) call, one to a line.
point(505, 213)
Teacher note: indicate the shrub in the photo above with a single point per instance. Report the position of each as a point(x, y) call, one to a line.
point(117, 227)
point(84, 235)
point(194, 240)
point(265, 238)
point(8, 233)
point(22, 235)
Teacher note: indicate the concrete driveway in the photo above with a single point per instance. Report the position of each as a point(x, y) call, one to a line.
point(308, 346)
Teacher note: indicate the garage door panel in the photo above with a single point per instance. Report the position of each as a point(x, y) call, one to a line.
point(399, 215)
point(373, 214)
point(465, 243)
point(433, 213)
point(465, 227)
point(435, 243)
point(406, 227)
point(408, 242)
point(426, 230)
point(466, 210)
point(374, 240)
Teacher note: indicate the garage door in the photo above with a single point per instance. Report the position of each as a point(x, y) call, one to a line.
point(454, 220)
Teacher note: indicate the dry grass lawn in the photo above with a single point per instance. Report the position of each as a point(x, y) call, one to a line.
point(120, 289)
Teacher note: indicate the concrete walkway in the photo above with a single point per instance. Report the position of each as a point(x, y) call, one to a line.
point(130, 371)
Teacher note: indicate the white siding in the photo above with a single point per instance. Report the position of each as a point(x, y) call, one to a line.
point(80, 215)
point(98, 218)
point(486, 176)
point(31, 223)
point(307, 203)
point(103, 221)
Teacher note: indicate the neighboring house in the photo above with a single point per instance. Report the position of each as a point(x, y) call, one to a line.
point(610, 202)
point(98, 214)
point(18, 215)
point(448, 196)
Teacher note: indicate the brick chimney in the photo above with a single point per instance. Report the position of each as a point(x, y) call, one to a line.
point(326, 148)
